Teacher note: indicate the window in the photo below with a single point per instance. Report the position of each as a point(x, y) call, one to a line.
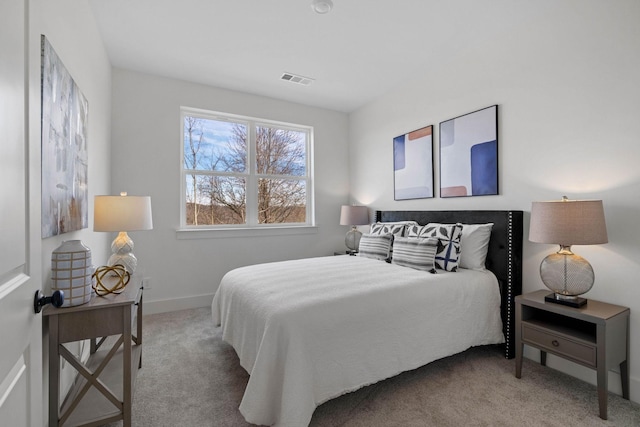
point(244, 172)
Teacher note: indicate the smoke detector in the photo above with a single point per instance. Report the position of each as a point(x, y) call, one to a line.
point(321, 6)
point(294, 78)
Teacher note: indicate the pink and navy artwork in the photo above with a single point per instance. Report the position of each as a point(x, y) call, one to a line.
point(413, 164)
point(469, 154)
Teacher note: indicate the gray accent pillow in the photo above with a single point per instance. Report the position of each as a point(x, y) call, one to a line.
point(417, 253)
point(375, 246)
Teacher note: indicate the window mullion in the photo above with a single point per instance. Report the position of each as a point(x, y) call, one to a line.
point(252, 183)
point(310, 210)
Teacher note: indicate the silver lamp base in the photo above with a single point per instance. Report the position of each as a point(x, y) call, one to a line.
point(567, 275)
point(352, 239)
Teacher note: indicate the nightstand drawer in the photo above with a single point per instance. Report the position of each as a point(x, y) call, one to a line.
point(546, 340)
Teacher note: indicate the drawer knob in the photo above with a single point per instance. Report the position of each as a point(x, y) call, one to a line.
point(555, 343)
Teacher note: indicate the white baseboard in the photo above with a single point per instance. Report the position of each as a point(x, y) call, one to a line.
point(586, 374)
point(175, 304)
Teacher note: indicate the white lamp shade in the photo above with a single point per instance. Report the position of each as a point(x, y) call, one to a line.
point(122, 213)
point(568, 222)
point(354, 215)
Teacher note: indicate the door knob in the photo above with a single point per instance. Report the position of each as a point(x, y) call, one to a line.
point(39, 300)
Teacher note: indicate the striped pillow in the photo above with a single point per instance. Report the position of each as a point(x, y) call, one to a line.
point(415, 253)
point(375, 246)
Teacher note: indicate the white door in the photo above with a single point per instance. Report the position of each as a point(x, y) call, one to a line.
point(20, 328)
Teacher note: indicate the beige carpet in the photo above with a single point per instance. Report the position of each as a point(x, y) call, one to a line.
point(190, 377)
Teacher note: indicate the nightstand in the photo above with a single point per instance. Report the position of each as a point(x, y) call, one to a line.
point(104, 389)
point(595, 336)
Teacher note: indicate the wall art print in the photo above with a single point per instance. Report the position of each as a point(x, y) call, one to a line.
point(469, 154)
point(64, 148)
point(413, 165)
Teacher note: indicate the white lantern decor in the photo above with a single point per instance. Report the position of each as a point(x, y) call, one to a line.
point(71, 271)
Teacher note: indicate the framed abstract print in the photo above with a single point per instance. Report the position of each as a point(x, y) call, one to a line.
point(469, 154)
point(413, 165)
point(64, 148)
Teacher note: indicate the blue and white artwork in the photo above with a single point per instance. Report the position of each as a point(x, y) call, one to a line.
point(413, 164)
point(469, 154)
point(65, 114)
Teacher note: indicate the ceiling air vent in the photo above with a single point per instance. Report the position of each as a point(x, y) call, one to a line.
point(294, 78)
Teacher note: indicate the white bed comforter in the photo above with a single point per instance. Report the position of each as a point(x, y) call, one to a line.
point(312, 329)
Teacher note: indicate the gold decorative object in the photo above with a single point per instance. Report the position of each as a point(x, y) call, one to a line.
point(117, 287)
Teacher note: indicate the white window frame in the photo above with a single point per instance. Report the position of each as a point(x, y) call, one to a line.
point(252, 227)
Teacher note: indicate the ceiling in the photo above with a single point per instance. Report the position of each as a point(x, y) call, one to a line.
point(355, 53)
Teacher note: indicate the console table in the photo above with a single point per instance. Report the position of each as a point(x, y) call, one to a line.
point(595, 335)
point(103, 391)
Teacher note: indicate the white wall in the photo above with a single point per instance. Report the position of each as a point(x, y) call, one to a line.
point(566, 82)
point(70, 28)
point(146, 161)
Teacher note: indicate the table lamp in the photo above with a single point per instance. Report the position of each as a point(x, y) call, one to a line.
point(353, 216)
point(122, 213)
point(567, 222)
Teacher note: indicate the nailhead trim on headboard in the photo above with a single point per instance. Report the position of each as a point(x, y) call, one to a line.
point(509, 344)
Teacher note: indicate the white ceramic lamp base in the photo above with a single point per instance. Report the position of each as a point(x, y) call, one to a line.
point(121, 248)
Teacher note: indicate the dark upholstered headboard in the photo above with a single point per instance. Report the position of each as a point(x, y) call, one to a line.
point(504, 257)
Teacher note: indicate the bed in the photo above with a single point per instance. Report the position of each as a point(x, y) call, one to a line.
point(310, 330)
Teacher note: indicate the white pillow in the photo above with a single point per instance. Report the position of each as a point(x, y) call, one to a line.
point(474, 245)
point(375, 246)
point(415, 253)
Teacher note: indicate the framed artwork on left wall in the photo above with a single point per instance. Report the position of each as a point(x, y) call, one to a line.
point(413, 164)
point(65, 114)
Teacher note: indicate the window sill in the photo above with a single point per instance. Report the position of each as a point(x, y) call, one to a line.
point(200, 233)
